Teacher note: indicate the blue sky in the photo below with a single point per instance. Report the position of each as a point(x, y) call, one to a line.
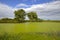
point(45, 9)
point(29, 2)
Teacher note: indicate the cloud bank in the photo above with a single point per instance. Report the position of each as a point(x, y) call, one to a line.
point(6, 11)
point(45, 11)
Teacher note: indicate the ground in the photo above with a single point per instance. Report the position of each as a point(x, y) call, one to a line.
point(30, 31)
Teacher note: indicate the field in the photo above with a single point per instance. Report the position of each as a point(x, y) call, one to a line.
point(30, 31)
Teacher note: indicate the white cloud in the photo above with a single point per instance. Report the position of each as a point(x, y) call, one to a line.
point(6, 11)
point(21, 5)
point(46, 11)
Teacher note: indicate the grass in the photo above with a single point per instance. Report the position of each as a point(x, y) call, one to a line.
point(31, 36)
point(30, 31)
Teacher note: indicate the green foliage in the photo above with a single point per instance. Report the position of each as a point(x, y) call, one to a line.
point(32, 16)
point(8, 20)
point(5, 20)
point(20, 15)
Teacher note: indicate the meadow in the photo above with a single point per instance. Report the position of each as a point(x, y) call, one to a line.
point(30, 31)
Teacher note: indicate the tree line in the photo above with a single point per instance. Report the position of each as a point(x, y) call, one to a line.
point(20, 16)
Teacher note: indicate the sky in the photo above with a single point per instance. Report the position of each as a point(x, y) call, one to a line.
point(29, 2)
point(45, 9)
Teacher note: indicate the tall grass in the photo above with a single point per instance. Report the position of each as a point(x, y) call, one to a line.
point(31, 36)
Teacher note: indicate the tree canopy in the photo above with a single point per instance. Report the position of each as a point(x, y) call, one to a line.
point(20, 15)
point(32, 16)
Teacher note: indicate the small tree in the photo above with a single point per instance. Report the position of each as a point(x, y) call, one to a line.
point(32, 16)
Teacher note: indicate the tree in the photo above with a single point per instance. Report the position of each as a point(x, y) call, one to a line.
point(6, 20)
point(20, 15)
point(32, 16)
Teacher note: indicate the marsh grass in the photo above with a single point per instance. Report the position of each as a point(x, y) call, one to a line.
point(31, 36)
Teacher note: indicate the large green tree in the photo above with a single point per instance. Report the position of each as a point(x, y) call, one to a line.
point(32, 16)
point(20, 15)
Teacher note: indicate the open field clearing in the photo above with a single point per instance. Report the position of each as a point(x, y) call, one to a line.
point(30, 31)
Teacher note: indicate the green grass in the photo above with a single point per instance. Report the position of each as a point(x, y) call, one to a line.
point(30, 31)
point(31, 36)
point(30, 27)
